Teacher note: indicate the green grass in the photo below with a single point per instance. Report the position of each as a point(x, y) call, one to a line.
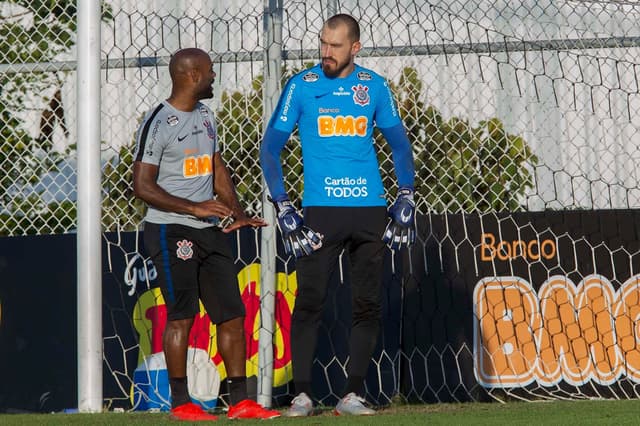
point(514, 413)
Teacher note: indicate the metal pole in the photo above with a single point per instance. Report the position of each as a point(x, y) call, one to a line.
point(89, 250)
point(332, 8)
point(268, 247)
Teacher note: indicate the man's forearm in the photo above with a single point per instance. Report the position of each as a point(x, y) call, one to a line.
point(225, 189)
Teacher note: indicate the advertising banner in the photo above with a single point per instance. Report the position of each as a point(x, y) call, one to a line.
point(545, 302)
point(535, 304)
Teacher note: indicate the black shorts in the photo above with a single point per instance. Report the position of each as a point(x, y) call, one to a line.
point(194, 265)
point(359, 231)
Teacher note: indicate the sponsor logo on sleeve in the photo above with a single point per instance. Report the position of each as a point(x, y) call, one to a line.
point(287, 103)
point(310, 77)
point(172, 120)
point(154, 136)
point(211, 131)
point(154, 132)
point(206, 122)
point(392, 104)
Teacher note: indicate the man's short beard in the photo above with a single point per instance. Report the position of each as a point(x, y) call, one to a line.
point(332, 74)
point(206, 94)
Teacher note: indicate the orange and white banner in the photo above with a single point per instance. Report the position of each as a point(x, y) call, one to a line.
point(563, 332)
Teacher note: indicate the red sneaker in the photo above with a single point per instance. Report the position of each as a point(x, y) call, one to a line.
point(249, 409)
point(191, 412)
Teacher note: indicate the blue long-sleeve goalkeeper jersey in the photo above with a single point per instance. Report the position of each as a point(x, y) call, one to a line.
point(335, 119)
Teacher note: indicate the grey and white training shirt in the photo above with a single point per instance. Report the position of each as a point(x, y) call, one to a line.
point(182, 144)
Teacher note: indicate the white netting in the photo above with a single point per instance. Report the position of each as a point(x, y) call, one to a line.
point(524, 106)
point(509, 106)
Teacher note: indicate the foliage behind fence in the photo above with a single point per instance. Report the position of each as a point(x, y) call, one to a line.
point(508, 108)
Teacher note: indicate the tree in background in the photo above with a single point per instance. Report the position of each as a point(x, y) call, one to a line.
point(459, 167)
point(240, 127)
point(120, 208)
point(32, 32)
point(239, 120)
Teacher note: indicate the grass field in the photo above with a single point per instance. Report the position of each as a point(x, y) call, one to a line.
point(514, 413)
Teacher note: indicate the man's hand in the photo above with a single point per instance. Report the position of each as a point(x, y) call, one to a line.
point(231, 223)
point(299, 240)
point(401, 229)
point(212, 207)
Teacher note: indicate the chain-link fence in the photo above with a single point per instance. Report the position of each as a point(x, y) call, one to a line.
point(510, 106)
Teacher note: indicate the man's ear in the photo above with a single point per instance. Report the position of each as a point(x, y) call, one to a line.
point(355, 48)
point(194, 74)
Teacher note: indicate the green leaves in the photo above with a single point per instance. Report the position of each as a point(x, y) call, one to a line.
point(474, 168)
point(120, 208)
point(460, 167)
point(33, 31)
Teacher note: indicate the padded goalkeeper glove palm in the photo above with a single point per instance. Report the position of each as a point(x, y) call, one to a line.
point(299, 240)
point(401, 229)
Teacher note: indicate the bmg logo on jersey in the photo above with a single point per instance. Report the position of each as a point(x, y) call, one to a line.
point(342, 125)
point(197, 166)
point(346, 187)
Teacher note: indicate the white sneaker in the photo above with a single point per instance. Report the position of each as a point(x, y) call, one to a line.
point(353, 405)
point(301, 406)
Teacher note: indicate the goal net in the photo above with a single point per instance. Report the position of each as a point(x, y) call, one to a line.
point(524, 122)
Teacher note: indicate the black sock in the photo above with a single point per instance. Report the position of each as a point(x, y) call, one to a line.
point(355, 384)
point(303, 387)
point(179, 391)
point(237, 389)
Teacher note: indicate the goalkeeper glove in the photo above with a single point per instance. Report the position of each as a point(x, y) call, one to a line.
point(299, 240)
point(401, 229)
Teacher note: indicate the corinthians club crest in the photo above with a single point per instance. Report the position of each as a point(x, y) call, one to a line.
point(360, 94)
point(184, 251)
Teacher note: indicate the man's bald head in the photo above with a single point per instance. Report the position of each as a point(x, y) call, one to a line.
point(192, 75)
point(186, 60)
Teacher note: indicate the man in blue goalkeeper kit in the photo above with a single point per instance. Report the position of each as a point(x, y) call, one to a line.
point(335, 106)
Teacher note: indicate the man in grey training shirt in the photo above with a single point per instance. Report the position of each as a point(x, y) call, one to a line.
point(192, 204)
